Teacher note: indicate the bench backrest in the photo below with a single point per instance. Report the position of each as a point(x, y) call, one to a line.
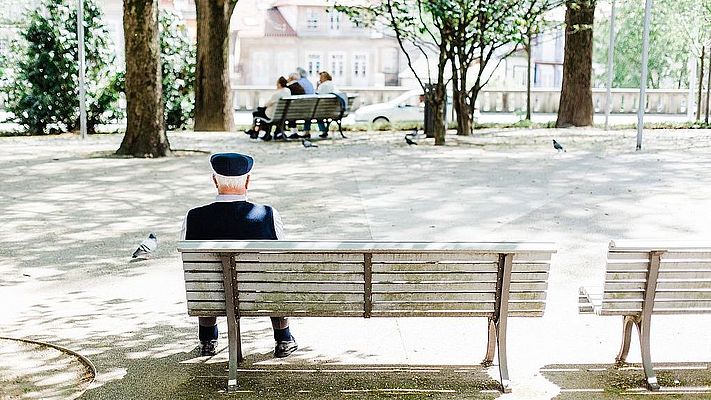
point(308, 107)
point(366, 278)
point(683, 283)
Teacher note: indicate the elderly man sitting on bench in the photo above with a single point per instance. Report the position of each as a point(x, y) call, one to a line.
point(232, 217)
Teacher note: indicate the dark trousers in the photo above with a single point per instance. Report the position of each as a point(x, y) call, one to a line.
point(211, 322)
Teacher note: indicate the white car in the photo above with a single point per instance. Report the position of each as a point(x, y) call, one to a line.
point(409, 106)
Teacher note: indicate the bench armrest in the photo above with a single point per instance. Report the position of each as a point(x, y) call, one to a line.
point(589, 300)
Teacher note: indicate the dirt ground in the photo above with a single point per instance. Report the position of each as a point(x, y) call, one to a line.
point(72, 214)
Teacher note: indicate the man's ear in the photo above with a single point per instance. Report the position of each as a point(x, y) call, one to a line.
point(246, 183)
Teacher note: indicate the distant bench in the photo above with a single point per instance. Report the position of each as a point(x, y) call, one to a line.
point(325, 108)
point(643, 278)
point(366, 279)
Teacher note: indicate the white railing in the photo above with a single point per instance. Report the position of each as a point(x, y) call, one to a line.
point(624, 101)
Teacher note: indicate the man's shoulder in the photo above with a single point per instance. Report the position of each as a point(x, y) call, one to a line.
point(223, 204)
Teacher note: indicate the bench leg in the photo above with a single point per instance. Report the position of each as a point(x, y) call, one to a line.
point(503, 364)
point(234, 346)
point(340, 129)
point(643, 329)
point(497, 339)
point(627, 324)
point(490, 345)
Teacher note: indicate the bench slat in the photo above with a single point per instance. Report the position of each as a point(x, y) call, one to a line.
point(204, 286)
point(300, 287)
point(668, 285)
point(439, 296)
point(455, 306)
point(314, 308)
point(310, 297)
point(662, 295)
point(456, 277)
point(210, 276)
point(298, 257)
point(298, 266)
point(663, 275)
point(455, 267)
point(284, 277)
point(200, 257)
point(205, 296)
point(202, 266)
point(451, 313)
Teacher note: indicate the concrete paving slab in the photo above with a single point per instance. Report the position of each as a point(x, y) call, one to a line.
point(72, 214)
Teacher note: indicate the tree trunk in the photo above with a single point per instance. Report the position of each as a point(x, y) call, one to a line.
point(576, 106)
point(145, 130)
point(438, 98)
point(459, 100)
point(213, 93)
point(701, 84)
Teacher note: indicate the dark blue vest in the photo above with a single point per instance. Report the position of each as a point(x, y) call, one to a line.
point(235, 220)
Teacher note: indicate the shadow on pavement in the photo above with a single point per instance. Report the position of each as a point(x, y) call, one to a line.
point(606, 381)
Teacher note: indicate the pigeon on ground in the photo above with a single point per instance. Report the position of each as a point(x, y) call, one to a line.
point(307, 143)
point(146, 247)
point(557, 146)
point(409, 141)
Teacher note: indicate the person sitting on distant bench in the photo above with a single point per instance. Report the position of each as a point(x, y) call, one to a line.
point(259, 123)
point(324, 86)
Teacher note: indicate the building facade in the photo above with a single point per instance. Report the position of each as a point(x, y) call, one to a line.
point(272, 38)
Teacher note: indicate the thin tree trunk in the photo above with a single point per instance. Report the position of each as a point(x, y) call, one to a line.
point(145, 130)
point(576, 106)
point(701, 84)
point(213, 92)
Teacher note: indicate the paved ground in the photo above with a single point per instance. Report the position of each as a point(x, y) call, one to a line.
point(72, 214)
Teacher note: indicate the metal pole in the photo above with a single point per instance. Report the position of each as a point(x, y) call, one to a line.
point(610, 56)
point(708, 90)
point(701, 84)
point(82, 91)
point(643, 79)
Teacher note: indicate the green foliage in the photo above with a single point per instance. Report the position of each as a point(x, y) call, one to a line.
point(677, 29)
point(178, 68)
point(43, 84)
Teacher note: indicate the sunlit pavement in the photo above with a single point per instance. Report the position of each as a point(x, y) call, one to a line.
point(72, 214)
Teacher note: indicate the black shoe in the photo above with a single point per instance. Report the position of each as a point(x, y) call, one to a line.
point(306, 136)
point(283, 349)
point(279, 136)
point(294, 136)
point(207, 347)
point(323, 135)
point(267, 137)
point(254, 135)
point(249, 132)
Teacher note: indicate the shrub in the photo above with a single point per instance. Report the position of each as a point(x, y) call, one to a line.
point(178, 68)
point(44, 88)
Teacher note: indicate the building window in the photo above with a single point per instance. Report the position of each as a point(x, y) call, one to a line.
point(313, 64)
point(337, 65)
point(311, 19)
point(360, 67)
point(335, 19)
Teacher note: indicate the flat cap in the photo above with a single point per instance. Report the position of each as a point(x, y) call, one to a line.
point(231, 164)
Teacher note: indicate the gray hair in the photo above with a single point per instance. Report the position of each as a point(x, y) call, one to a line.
point(232, 182)
point(294, 76)
point(302, 72)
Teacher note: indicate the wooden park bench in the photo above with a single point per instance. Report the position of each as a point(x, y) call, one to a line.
point(309, 107)
point(645, 278)
point(366, 279)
